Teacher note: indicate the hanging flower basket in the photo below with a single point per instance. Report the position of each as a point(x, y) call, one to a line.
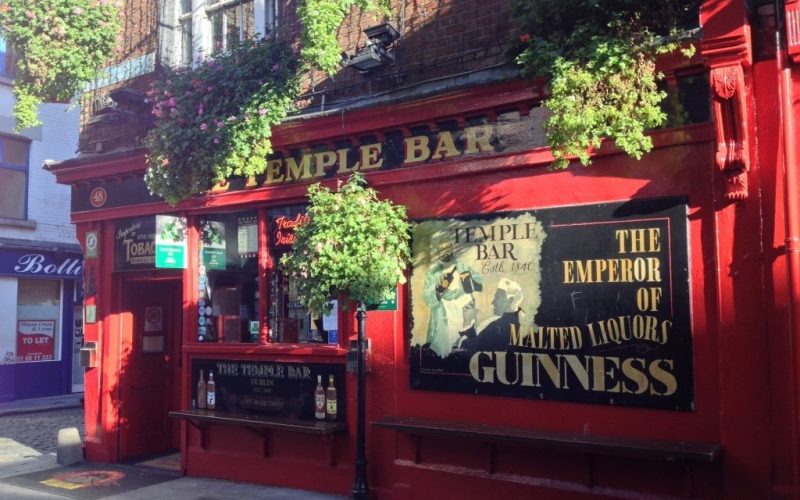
point(600, 58)
point(214, 121)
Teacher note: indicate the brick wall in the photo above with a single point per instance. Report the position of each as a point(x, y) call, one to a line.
point(439, 38)
point(137, 39)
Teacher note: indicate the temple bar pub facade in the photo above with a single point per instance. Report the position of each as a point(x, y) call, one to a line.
point(623, 330)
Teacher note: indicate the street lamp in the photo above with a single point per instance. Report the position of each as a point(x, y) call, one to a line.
point(360, 486)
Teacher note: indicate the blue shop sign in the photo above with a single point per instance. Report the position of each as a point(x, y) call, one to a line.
point(35, 263)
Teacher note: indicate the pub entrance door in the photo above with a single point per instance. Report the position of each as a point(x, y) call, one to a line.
point(149, 372)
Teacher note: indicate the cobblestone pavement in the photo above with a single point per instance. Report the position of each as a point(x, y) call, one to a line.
point(39, 431)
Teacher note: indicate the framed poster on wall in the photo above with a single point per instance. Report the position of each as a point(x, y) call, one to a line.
point(581, 303)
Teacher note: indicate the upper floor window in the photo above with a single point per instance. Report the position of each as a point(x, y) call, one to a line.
point(13, 177)
point(194, 29)
point(185, 29)
point(231, 21)
point(7, 60)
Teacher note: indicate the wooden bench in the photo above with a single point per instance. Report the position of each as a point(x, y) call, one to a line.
point(587, 445)
point(261, 425)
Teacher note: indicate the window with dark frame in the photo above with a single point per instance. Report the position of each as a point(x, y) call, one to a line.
point(229, 305)
point(14, 177)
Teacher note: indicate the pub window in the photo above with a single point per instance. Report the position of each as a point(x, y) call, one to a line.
point(289, 320)
point(228, 303)
point(13, 177)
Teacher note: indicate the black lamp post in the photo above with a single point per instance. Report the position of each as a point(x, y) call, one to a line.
point(360, 486)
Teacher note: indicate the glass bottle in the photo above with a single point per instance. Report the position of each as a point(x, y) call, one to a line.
point(319, 400)
point(211, 392)
point(201, 391)
point(330, 400)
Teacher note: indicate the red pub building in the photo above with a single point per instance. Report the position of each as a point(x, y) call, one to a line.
point(653, 304)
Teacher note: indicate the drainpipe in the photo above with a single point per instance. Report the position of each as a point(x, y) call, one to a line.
point(792, 214)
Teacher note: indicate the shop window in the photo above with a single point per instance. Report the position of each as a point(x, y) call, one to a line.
point(228, 306)
point(38, 320)
point(13, 177)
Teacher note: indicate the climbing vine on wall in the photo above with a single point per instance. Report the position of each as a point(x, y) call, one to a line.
point(60, 46)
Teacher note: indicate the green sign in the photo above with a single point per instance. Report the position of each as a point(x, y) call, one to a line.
point(213, 245)
point(170, 242)
point(387, 304)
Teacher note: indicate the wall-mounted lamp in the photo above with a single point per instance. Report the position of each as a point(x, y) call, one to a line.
point(376, 52)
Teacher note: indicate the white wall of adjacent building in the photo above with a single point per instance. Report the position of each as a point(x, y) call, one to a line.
point(48, 203)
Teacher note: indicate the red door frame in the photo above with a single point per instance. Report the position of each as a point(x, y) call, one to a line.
point(173, 328)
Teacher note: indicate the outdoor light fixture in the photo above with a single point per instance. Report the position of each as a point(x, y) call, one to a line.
point(376, 52)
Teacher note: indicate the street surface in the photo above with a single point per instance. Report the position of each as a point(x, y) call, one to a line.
point(28, 443)
point(39, 431)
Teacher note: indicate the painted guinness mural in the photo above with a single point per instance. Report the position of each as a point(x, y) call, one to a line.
point(583, 303)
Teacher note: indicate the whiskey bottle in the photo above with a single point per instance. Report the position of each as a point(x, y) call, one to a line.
point(330, 400)
point(211, 398)
point(319, 400)
point(201, 391)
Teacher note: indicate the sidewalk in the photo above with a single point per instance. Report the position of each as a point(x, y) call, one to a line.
point(41, 404)
point(17, 459)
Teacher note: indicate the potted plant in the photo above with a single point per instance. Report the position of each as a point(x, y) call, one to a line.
point(354, 248)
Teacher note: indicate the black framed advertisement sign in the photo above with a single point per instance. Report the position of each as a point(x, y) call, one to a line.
point(270, 388)
point(582, 303)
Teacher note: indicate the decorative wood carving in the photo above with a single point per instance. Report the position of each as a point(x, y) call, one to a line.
point(730, 119)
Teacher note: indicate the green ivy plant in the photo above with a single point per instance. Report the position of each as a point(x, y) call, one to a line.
point(354, 248)
point(320, 21)
point(214, 121)
point(60, 46)
point(600, 58)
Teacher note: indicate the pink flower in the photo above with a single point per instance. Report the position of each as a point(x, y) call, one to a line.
point(172, 102)
point(262, 111)
point(30, 14)
point(275, 67)
point(524, 38)
point(216, 140)
point(220, 124)
point(78, 11)
point(203, 126)
point(165, 162)
point(200, 109)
